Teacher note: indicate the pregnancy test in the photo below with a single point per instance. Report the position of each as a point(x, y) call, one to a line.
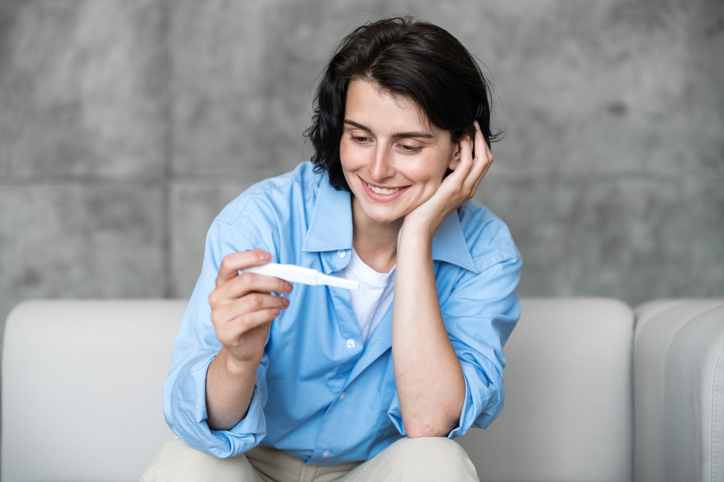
point(298, 274)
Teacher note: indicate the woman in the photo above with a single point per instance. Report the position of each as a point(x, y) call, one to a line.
point(270, 381)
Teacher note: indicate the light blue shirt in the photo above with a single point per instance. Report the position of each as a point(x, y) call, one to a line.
point(321, 394)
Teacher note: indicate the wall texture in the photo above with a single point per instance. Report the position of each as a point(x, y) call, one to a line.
point(126, 125)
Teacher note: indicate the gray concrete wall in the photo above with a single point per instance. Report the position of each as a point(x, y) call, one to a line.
point(126, 125)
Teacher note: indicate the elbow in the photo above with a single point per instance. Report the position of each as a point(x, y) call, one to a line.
point(419, 432)
point(417, 428)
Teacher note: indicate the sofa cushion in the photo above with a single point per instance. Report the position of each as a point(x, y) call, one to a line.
point(568, 396)
point(82, 388)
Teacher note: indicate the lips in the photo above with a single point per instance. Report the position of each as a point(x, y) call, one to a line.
point(382, 194)
point(381, 190)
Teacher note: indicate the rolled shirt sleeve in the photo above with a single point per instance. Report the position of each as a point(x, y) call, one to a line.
point(479, 317)
point(184, 391)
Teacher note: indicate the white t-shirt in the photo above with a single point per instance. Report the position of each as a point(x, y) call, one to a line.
point(374, 296)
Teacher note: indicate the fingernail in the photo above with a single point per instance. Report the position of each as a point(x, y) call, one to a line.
point(286, 302)
point(264, 256)
point(288, 287)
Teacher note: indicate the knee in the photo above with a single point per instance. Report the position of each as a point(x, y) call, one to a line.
point(432, 458)
point(179, 462)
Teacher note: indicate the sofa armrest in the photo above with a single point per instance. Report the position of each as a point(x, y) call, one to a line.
point(679, 390)
point(82, 385)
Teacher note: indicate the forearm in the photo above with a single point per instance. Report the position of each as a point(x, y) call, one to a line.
point(428, 374)
point(229, 388)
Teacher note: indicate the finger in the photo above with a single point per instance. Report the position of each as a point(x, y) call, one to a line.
point(248, 304)
point(483, 155)
point(466, 160)
point(470, 164)
point(230, 333)
point(258, 302)
point(232, 263)
point(248, 283)
point(474, 181)
point(478, 180)
point(482, 150)
point(480, 165)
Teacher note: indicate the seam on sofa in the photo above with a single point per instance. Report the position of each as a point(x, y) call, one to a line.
point(715, 414)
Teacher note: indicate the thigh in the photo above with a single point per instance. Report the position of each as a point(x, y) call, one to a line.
point(179, 462)
point(278, 466)
point(420, 459)
point(274, 465)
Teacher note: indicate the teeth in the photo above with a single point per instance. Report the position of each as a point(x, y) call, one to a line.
point(382, 190)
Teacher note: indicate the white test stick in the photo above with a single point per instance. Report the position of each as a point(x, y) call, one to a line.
point(298, 274)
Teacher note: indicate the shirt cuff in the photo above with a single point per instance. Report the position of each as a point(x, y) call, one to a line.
point(483, 399)
point(395, 415)
point(185, 411)
point(483, 402)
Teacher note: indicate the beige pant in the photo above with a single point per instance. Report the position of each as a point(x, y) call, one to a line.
point(432, 459)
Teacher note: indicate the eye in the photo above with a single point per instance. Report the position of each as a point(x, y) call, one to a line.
point(360, 139)
point(409, 148)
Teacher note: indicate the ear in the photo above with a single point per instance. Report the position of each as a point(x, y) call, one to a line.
point(456, 155)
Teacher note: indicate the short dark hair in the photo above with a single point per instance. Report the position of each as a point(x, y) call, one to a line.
point(409, 58)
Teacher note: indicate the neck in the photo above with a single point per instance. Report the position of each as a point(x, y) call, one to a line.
point(375, 243)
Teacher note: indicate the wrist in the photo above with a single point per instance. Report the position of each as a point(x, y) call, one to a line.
point(420, 226)
point(413, 241)
point(414, 233)
point(234, 367)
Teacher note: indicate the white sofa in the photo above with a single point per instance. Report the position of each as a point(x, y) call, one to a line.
point(594, 389)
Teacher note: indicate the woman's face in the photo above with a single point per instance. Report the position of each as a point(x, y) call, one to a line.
point(392, 158)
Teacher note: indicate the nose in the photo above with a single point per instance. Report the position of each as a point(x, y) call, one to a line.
point(381, 167)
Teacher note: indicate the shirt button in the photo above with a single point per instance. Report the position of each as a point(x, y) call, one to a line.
point(342, 396)
point(326, 454)
point(350, 343)
point(341, 253)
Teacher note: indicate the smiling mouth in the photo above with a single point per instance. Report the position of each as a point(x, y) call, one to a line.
point(380, 190)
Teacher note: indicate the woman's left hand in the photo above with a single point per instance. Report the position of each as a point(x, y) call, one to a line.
point(455, 189)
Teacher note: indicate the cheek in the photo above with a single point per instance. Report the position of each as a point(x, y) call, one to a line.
point(429, 169)
point(347, 156)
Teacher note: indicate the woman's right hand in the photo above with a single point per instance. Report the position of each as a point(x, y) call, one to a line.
point(243, 307)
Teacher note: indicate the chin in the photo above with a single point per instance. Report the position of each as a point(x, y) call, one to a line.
point(381, 217)
point(387, 220)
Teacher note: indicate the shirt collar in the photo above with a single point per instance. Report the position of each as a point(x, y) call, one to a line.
point(331, 229)
point(449, 244)
point(331, 226)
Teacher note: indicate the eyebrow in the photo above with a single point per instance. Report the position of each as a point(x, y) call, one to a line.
point(424, 135)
